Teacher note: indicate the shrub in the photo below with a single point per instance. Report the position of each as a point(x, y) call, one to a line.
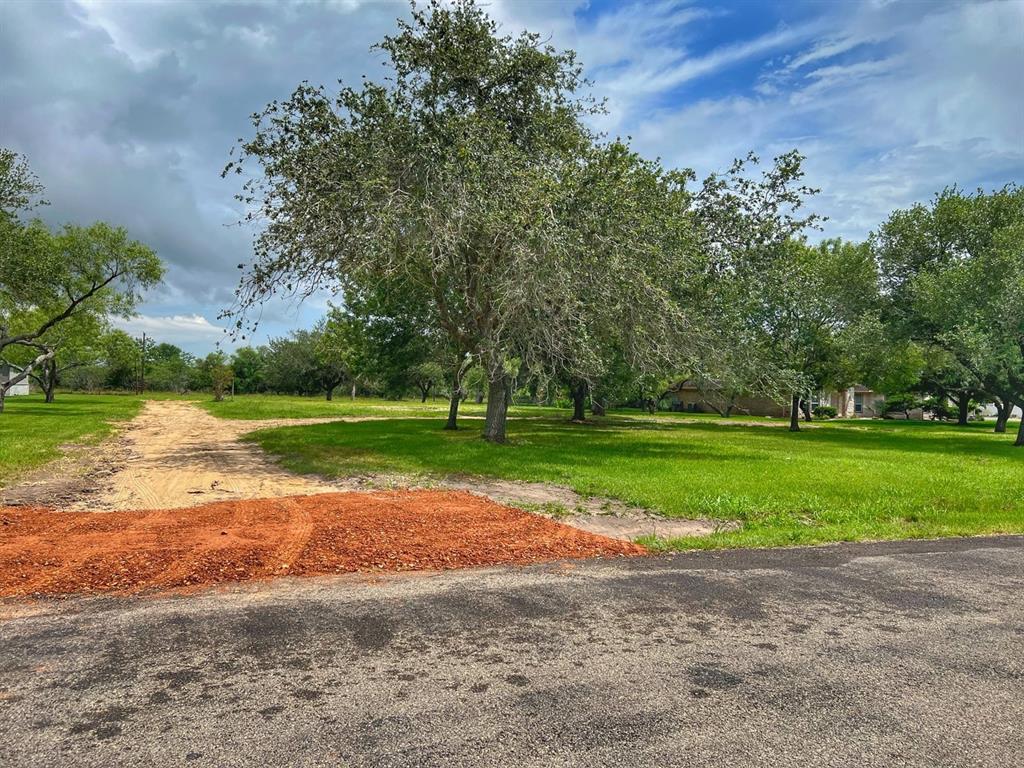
point(903, 402)
point(825, 412)
point(939, 409)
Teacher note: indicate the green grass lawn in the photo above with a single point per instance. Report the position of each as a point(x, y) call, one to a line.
point(32, 432)
point(834, 481)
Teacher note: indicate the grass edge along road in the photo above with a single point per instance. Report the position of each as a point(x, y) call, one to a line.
point(837, 481)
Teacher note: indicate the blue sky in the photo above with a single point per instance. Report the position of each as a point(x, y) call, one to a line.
point(127, 110)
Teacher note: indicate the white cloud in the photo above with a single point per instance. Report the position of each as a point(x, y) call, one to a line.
point(176, 329)
point(888, 109)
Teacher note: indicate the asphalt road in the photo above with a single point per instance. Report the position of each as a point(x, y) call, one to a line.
point(852, 655)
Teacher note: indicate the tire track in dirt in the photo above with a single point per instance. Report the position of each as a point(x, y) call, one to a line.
point(298, 535)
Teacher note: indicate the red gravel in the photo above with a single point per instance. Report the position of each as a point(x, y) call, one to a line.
point(43, 552)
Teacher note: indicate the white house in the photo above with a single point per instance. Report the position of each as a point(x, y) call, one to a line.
point(7, 372)
point(989, 412)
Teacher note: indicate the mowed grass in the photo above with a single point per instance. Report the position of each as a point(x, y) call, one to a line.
point(834, 481)
point(33, 432)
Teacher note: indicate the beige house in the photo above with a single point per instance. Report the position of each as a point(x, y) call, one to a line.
point(853, 403)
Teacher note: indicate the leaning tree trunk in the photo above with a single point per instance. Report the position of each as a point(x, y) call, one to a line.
point(794, 414)
point(496, 419)
point(1019, 442)
point(597, 407)
point(1003, 411)
point(805, 407)
point(579, 401)
point(453, 402)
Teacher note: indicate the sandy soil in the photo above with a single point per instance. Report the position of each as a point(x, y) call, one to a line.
point(59, 553)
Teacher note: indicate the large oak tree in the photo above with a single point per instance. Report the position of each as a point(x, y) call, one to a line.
point(461, 177)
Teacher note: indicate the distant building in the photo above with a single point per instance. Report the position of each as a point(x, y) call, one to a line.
point(8, 372)
point(852, 403)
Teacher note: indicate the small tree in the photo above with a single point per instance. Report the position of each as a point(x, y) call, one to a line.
point(20, 189)
point(221, 377)
point(168, 368)
point(122, 360)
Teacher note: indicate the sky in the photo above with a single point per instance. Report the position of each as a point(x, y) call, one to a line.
point(127, 111)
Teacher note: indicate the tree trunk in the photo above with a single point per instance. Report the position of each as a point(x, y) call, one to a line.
point(794, 414)
point(597, 408)
point(453, 402)
point(497, 409)
point(354, 388)
point(479, 396)
point(330, 394)
point(1003, 411)
point(1019, 442)
point(963, 405)
point(805, 409)
point(3, 394)
point(578, 390)
point(425, 392)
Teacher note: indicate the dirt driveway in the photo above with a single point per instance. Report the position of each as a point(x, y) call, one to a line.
point(178, 455)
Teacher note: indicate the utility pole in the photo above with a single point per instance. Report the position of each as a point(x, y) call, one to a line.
point(142, 366)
